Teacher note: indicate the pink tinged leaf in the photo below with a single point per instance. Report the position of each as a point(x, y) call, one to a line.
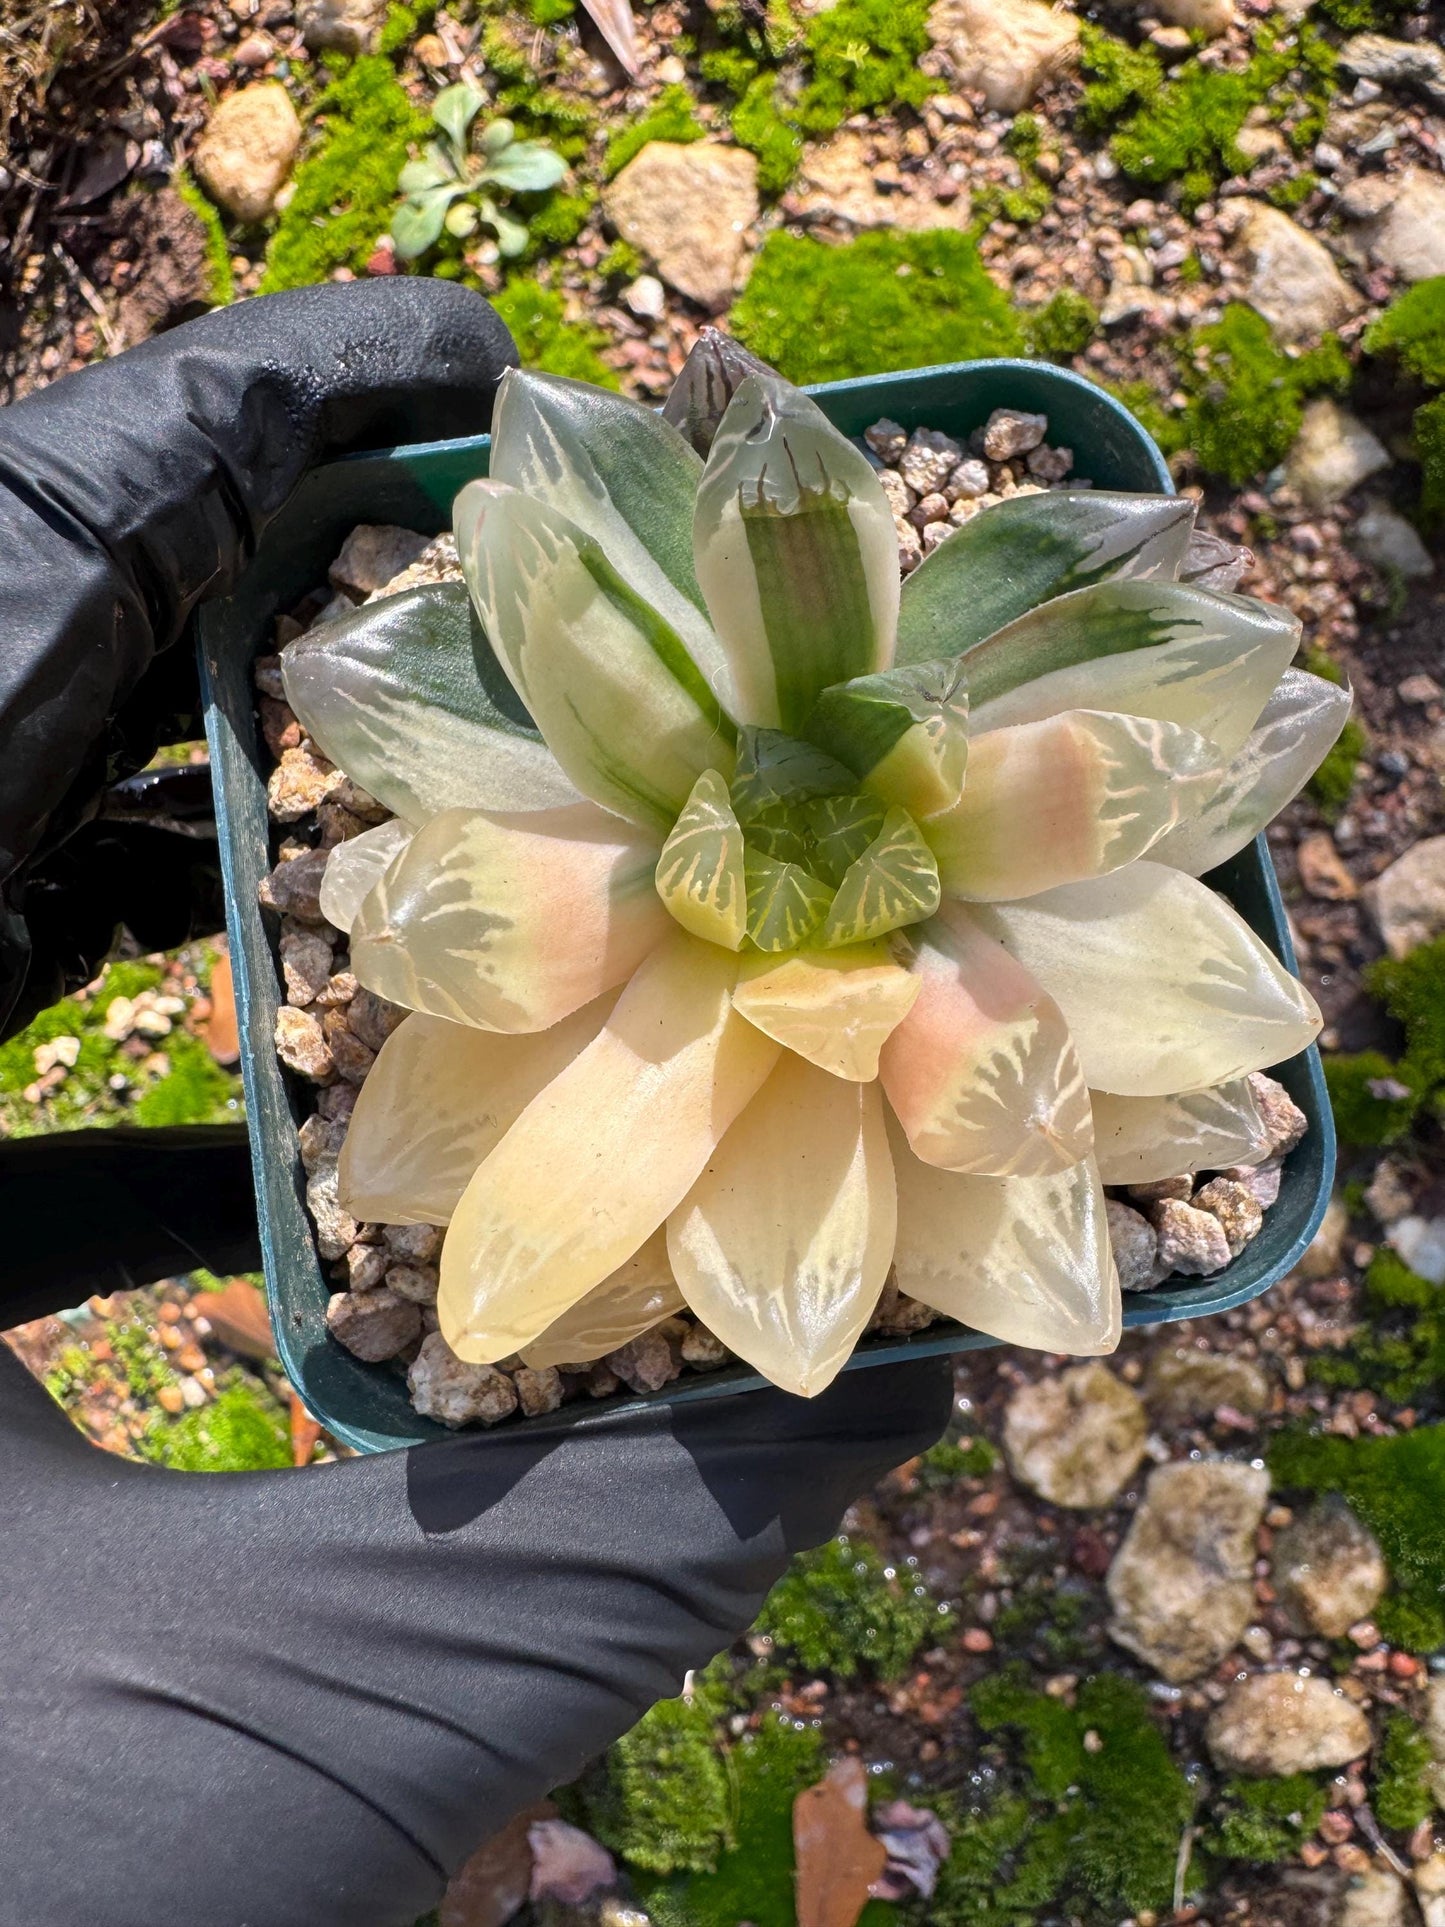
point(982, 1073)
point(510, 922)
point(837, 1858)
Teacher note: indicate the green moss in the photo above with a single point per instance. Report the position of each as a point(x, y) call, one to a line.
point(1165, 426)
point(1412, 990)
point(818, 313)
point(539, 112)
point(864, 58)
point(1364, 16)
point(671, 119)
point(401, 27)
point(194, 1091)
point(220, 282)
point(753, 1879)
point(1397, 1485)
point(1403, 1760)
point(1246, 395)
point(554, 220)
point(1429, 428)
point(141, 1359)
point(1263, 1821)
point(1120, 78)
point(759, 124)
point(665, 1803)
point(839, 1611)
point(1295, 191)
point(622, 262)
point(1401, 1350)
point(1362, 1116)
point(243, 1431)
point(1063, 327)
point(549, 13)
point(346, 186)
point(1056, 1624)
point(1048, 1732)
point(546, 339)
point(1333, 783)
point(942, 1465)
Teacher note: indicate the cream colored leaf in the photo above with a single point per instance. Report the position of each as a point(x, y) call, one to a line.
point(435, 1102)
point(1164, 987)
point(355, 867)
point(1292, 738)
point(700, 875)
point(1076, 795)
point(982, 1073)
point(1024, 1259)
point(509, 922)
point(602, 1155)
point(638, 1295)
point(783, 1244)
point(834, 1007)
point(1139, 1139)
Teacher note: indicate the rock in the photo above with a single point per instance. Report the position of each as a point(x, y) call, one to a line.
point(1326, 1250)
point(702, 1351)
point(1421, 1243)
point(320, 1140)
point(646, 1363)
point(1385, 538)
point(1234, 1205)
point(1323, 871)
point(373, 1325)
point(646, 298)
point(1271, 1724)
point(373, 1018)
point(171, 270)
point(1135, 1246)
point(1192, 1242)
point(305, 964)
point(1407, 900)
point(928, 460)
point(341, 26)
point(1397, 63)
point(1378, 1898)
point(1333, 453)
point(1076, 1439)
point(1186, 1383)
point(1261, 1181)
point(836, 182)
point(293, 888)
point(968, 481)
point(689, 207)
point(1294, 282)
point(1050, 465)
point(1284, 1122)
point(336, 1101)
point(300, 1044)
point(1009, 432)
point(1434, 1724)
point(418, 1283)
point(336, 1229)
point(445, 1389)
point(373, 555)
point(414, 1244)
point(245, 154)
point(1430, 1890)
point(1003, 49)
point(1388, 1194)
point(1181, 1585)
point(1209, 17)
point(352, 1058)
point(538, 1391)
point(366, 1266)
point(1130, 284)
point(1328, 1569)
point(1420, 690)
point(887, 439)
point(436, 563)
point(1158, 1189)
point(1401, 221)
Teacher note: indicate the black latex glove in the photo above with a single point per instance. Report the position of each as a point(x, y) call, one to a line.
point(301, 1699)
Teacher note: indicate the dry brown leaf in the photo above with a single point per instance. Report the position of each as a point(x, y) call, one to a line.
point(219, 1029)
point(492, 1885)
point(837, 1859)
point(237, 1315)
point(305, 1431)
point(613, 20)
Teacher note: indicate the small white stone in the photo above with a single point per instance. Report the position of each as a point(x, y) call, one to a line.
point(1012, 431)
point(928, 461)
point(444, 1388)
point(646, 297)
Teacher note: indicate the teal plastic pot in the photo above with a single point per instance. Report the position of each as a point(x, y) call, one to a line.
point(366, 1405)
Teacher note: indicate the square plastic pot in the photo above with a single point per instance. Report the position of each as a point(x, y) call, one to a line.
point(366, 1405)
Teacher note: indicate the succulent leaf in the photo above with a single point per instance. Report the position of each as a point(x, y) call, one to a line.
point(786, 903)
point(893, 883)
point(454, 110)
point(1164, 987)
point(1025, 1259)
point(614, 691)
point(782, 1246)
point(1293, 736)
point(1147, 648)
point(715, 369)
point(437, 1099)
point(982, 1073)
point(700, 874)
point(355, 867)
point(641, 1292)
point(1028, 550)
point(1140, 1139)
point(625, 477)
point(1076, 795)
point(834, 1007)
point(406, 696)
point(841, 829)
point(903, 733)
point(795, 552)
point(601, 1156)
point(775, 770)
point(525, 167)
point(510, 922)
point(417, 224)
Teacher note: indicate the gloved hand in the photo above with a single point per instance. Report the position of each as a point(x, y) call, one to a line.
point(300, 1700)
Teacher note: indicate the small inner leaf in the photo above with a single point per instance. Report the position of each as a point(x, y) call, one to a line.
point(904, 732)
point(786, 903)
point(700, 874)
point(893, 883)
point(842, 828)
point(776, 769)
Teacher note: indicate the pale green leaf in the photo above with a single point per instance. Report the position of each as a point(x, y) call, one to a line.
point(775, 769)
point(1138, 1140)
point(796, 554)
point(903, 733)
point(700, 874)
point(841, 827)
point(893, 883)
point(355, 867)
point(786, 903)
point(526, 167)
point(454, 110)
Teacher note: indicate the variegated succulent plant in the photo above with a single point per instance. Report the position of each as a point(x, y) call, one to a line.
point(767, 928)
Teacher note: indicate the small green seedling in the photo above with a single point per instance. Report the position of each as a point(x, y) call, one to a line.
point(447, 189)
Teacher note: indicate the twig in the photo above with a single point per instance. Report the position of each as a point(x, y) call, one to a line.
point(1181, 1865)
point(1370, 1827)
point(88, 294)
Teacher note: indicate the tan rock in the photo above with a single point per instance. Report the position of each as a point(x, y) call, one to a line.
point(372, 1324)
point(1077, 1439)
point(1004, 49)
point(1435, 1734)
point(444, 1388)
point(689, 207)
point(1325, 1252)
point(1328, 1569)
point(341, 26)
point(1209, 17)
point(1185, 1383)
point(1276, 1723)
point(1333, 453)
point(1376, 1899)
point(1401, 221)
point(246, 152)
point(1407, 900)
point(836, 183)
point(1182, 1583)
point(373, 555)
point(1294, 282)
point(1323, 871)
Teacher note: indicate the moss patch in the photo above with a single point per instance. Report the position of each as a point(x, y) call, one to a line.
point(1377, 1100)
point(1401, 1352)
point(840, 1611)
point(546, 339)
point(1246, 396)
point(220, 282)
point(243, 1431)
point(1063, 327)
point(884, 301)
point(1402, 1791)
point(663, 1798)
point(671, 119)
point(864, 57)
point(1263, 1821)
